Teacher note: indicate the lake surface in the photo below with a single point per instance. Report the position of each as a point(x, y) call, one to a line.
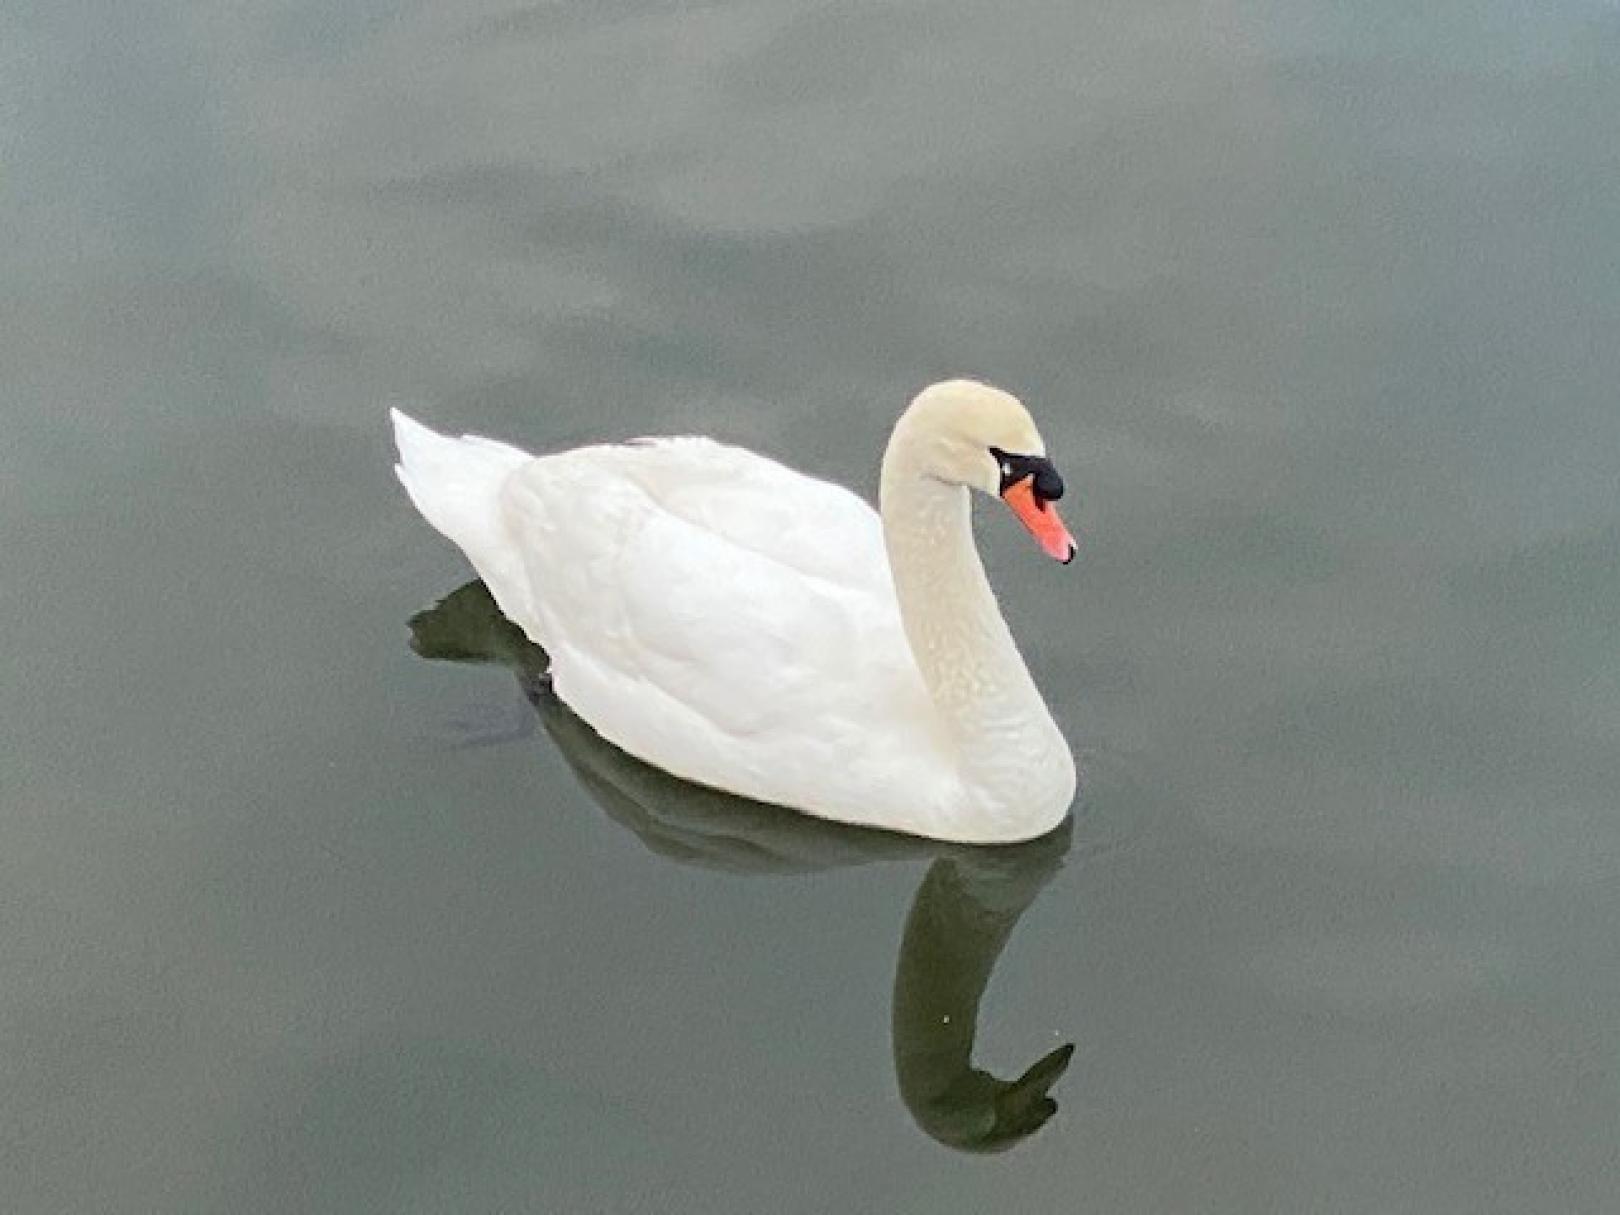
point(1317, 305)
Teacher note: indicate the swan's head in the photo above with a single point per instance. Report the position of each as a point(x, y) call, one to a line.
point(966, 433)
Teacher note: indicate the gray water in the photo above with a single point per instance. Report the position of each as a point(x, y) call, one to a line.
point(1317, 305)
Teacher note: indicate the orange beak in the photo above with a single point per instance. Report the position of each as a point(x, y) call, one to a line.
point(1041, 518)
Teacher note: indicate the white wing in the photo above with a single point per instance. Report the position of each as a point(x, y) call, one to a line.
point(706, 609)
point(730, 620)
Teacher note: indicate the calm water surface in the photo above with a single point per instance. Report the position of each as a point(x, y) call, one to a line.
point(1317, 304)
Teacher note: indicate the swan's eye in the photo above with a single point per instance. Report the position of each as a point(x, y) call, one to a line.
point(1010, 467)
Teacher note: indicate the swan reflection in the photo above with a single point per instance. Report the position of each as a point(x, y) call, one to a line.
point(964, 911)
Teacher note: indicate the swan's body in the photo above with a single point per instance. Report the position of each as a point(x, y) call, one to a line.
point(747, 627)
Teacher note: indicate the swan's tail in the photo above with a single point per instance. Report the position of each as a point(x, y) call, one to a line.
point(456, 484)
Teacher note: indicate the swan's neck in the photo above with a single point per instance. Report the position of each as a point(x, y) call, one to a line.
point(1014, 760)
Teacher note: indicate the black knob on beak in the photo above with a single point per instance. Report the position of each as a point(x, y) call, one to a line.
point(1048, 486)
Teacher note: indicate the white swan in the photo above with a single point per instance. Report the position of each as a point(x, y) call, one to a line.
point(747, 627)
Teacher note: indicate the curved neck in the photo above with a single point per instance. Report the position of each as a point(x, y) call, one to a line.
point(1012, 753)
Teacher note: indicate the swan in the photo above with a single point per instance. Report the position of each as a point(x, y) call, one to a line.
point(747, 627)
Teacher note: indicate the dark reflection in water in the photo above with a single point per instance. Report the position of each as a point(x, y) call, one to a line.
point(966, 908)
